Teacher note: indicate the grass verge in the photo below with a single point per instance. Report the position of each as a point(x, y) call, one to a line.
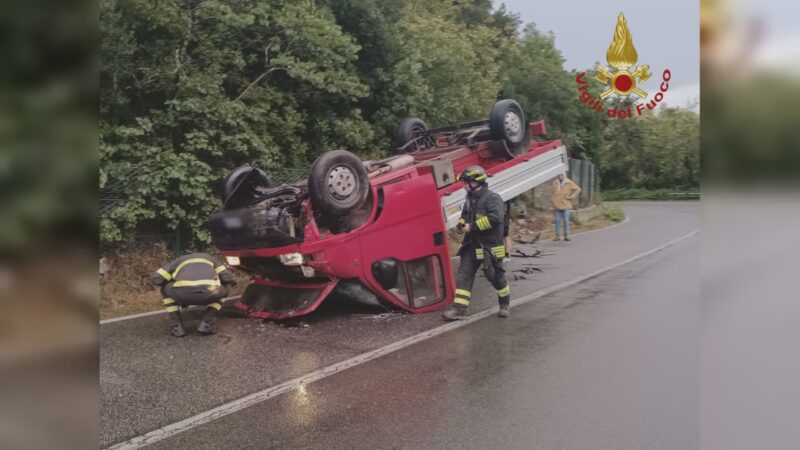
point(611, 215)
point(651, 194)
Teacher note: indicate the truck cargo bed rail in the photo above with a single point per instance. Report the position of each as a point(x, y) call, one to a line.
point(511, 182)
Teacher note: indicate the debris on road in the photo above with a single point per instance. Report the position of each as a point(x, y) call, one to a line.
point(291, 324)
point(382, 316)
point(521, 274)
point(527, 270)
point(520, 254)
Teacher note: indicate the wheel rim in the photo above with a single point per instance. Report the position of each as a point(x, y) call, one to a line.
point(341, 182)
point(513, 124)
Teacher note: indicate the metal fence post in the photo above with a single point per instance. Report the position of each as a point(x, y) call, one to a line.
point(585, 185)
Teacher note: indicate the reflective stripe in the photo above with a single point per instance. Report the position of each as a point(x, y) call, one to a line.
point(483, 223)
point(216, 306)
point(479, 253)
point(461, 301)
point(463, 292)
point(167, 301)
point(184, 283)
point(505, 291)
point(167, 276)
point(480, 178)
point(220, 269)
point(499, 251)
point(172, 309)
point(190, 261)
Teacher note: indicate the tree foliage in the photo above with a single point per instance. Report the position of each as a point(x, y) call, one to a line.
point(656, 151)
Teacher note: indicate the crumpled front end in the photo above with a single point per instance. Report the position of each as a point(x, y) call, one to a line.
point(268, 299)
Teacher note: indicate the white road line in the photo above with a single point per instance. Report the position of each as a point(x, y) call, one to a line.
point(452, 258)
point(266, 394)
point(152, 313)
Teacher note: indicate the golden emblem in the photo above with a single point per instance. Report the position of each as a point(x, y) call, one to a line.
point(622, 56)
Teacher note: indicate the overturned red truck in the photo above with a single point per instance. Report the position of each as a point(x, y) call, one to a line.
point(381, 223)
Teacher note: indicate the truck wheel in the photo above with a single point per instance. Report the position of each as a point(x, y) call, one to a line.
point(408, 130)
point(337, 183)
point(507, 122)
point(241, 186)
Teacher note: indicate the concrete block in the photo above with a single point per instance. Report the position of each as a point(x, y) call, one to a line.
point(584, 215)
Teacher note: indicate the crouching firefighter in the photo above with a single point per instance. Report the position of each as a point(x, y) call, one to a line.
point(482, 223)
point(193, 279)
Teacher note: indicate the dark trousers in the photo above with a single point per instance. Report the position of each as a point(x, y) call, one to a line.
point(493, 268)
point(173, 297)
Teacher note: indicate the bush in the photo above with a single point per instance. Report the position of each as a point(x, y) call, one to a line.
point(614, 213)
point(650, 194)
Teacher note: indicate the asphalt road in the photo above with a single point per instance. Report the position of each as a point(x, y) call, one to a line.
point(608, 363)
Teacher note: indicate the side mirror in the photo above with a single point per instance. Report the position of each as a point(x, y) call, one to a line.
point(385, 272)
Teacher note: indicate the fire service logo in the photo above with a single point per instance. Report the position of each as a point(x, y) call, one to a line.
point(621, 77)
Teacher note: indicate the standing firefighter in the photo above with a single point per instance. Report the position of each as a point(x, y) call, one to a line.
point(482, 223)
point(193, 279)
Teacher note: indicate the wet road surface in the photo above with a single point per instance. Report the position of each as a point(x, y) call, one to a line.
point(608, 364)
point(149, 380)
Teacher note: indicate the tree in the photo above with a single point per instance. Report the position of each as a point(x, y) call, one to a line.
point(193, 88)
point(656, 151)
point(447, 71)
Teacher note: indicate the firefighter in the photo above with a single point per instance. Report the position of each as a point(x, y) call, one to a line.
point(193, 279)
point(482, 223)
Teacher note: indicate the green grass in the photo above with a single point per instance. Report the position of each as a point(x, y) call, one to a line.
point(614, 213)
point(651, 194)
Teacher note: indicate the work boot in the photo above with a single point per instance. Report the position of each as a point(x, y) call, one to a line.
point(455, 312)
point(208, 325)
point(504, 311)
point(566, 238)
point(557, 238)
point(175, 325)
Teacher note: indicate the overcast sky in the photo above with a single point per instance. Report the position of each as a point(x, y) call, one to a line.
point(665, 34)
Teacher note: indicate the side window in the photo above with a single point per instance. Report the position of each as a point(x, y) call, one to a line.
point(420, 282)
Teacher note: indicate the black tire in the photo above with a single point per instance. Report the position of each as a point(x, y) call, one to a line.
point(409, 129)
point(337, 183)
point(241, 186)
point(507, 122)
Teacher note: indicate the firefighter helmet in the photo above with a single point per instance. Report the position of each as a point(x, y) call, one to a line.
point(473, 173)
